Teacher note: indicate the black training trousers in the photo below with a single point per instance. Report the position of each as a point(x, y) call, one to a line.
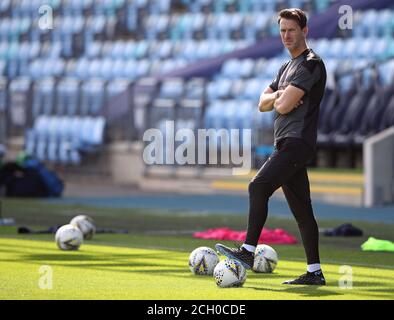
point(285, 168)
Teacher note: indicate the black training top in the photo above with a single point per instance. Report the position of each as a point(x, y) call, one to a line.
point(306, 72)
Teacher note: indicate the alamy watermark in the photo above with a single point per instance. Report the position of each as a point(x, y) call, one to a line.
point(346, 281)
point(229, 142)
point(45, 281)
point(45, 20)
point(345, 22)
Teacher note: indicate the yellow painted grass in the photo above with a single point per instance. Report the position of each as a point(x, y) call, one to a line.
point(105, 272)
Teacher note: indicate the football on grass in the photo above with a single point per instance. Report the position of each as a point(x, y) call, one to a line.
point(68, 237)
point(203, 260)
point(265, 259)
point(229, 273)
point(86, 225)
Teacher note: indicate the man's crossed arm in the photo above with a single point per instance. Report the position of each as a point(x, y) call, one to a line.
point(284, 101)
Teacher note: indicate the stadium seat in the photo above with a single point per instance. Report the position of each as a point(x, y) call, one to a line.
point(67, 102)
point(335, 109)
point(372, 117)
point(351, 118)
point(92, 97)
point(388, 116)
point(43, 97)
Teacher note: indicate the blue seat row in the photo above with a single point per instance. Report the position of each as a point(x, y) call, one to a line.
point(64, 139)
point(72, 97)
point(190, 50)
point(352, 48)
point(246, 6)
point(356, 110)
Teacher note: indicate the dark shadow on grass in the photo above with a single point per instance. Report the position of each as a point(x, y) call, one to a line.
point(366, 284)
point(261, 276)
point(304, 291)
point(90, 256)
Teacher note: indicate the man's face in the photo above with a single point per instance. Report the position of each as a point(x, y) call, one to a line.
point(291, 34)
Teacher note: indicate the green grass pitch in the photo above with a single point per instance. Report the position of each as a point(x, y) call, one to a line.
point(153, 264)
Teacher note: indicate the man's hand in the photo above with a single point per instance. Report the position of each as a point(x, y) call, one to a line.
point(278, 94)
point(299, 103)
point(291, 98)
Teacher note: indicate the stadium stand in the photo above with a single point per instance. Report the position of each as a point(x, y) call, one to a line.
point(67, 77)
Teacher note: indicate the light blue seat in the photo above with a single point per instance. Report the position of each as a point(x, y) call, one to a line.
point(96, 137)
point(94, 69)
point(30, 142)
point(53, 140)
point(204, 50)
point(386, 72)
point(93, 50)
point(369, 21)
point(52, 67)
point(55, 50)
point(118, 68)
point(142, 68)
point(222, 25)
point(231, 69)
point(141, 49)
point(188, 50)
point(106, 69)
point(5, 25)
point(63, 128)
point(244, 114)
point(130, 69)
point(376, 48)
point(226, 46)
point(67, 97)
point(350, 48)
point(117, 50)
point(41, 125)
point(163, 6)
point(246, 68)
point(219, 89)
point(198, 22)
point(253, 89)
point(167, 66)
point(229, 120)
point(366, 49)
point(217, 48)
point(82, 69)
point(92, 97)
point(321, 47)
point(236, 21)
point(164, 51)
point(346, 82)
point(386, 23)
point(172, 89)
point(41, 136)
point(85, 133)
point(116, 87)
point(180, 63)
point(264, 5)
point(213, 117)
point(5, 6)
point(43, 97)
point(129, 49)
point(335, 48)
point(155, 66)
point(271, 67)
point(331, 65)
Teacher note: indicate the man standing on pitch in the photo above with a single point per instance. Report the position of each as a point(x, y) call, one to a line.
point(295, 95)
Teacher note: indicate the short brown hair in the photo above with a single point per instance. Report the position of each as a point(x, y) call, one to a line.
point(294, 14)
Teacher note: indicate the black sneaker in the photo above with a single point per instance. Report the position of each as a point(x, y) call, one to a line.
point(245, 257)
point(310, 278)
